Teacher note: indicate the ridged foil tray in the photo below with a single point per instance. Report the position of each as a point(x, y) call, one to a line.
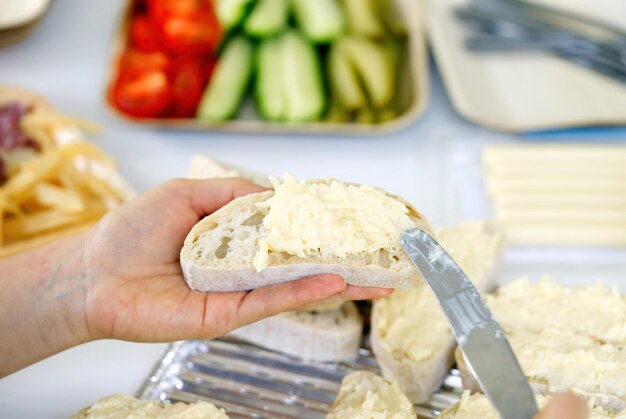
point(248, 381)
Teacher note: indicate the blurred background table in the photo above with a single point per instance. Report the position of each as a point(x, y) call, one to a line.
point(66, 61)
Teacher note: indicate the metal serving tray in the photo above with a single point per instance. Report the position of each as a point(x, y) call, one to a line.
point(248, 381)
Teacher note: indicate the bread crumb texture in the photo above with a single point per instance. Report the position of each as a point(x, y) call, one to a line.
point(567, 337)
point(365, 395)
point(121, 406)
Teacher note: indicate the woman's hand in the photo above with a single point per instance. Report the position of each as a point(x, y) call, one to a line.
point(138, 292)
point(123, 280)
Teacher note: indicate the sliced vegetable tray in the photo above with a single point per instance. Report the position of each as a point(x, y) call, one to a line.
point(264, 116)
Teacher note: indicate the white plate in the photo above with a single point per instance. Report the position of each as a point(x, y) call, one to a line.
point(524, 91)
point(14, 13)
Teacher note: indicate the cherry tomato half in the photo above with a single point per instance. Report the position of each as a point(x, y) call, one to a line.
point(197, 34)
point(160, 10)
point(134, 61)
point(187, 86)
point(142, 94)
point(143, 35)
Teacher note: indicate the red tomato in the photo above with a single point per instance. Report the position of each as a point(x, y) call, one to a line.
point(195, 34)
point(143, 35)
point(186, 26)
point(134, 61)
point(160, 10)
point(187, 86)
point(142, 94)
point(207, 63)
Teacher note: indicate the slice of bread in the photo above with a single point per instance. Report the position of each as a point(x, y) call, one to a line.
point(301, 229)
point(565, 338)
point(330, 335)
point(321, 332)
point(478, 406)
point(365, 395)
point(410, 336)
point(125, 406)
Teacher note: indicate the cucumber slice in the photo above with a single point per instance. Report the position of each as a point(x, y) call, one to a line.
point(268, 18)
point(302, 87)
point(228, 85)
point(364, 18)
point(344, 83)
point(320, 20)
point(230, 13)
point(374, 67)
point(268, 86)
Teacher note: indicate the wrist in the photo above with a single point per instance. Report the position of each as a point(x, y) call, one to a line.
point(64, 291)
point(43, 293)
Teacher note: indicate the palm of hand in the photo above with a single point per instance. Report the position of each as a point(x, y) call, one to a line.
point(140, 292)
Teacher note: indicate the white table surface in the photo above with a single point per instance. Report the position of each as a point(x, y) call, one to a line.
point(66, 61)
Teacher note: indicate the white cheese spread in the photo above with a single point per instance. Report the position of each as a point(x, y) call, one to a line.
point(332, 220)
point(121, 406)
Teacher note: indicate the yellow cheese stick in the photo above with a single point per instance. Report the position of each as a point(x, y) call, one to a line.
point(568, 235)
point(530, 171)
point(557, 186)
point(508, 201)
point(562, 215)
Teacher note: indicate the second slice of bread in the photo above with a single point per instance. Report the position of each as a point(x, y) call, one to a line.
point(329, 335)
point(565, 338)
point(219, 252)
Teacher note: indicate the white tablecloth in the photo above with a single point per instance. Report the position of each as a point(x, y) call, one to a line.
point(66, 60)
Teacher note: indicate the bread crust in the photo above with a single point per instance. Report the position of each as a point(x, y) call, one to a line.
point(284, 333)
point(207, 278)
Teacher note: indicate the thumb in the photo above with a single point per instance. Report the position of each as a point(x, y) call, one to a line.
point(565, 406)
point(274, 299)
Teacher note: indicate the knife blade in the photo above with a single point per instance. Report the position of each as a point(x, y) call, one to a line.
point(482, 340)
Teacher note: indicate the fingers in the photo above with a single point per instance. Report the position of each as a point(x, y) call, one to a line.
point(274, 299)
point(353, 292)
point(209, 195)
point(565, 406)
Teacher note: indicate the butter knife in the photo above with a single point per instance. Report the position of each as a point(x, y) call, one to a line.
point(486, 349)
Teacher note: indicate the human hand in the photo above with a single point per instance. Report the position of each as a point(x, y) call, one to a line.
point(565, 406)
point(136, 289)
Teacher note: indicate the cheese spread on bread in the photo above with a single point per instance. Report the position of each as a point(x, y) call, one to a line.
point(589, 309)
point(565, 360)
point(121, 406)
point(329, 219)
point(365, 395)
point(566, 337)
point(478, 406)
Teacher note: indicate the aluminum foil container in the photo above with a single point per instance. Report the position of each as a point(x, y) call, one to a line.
point(248, 381)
